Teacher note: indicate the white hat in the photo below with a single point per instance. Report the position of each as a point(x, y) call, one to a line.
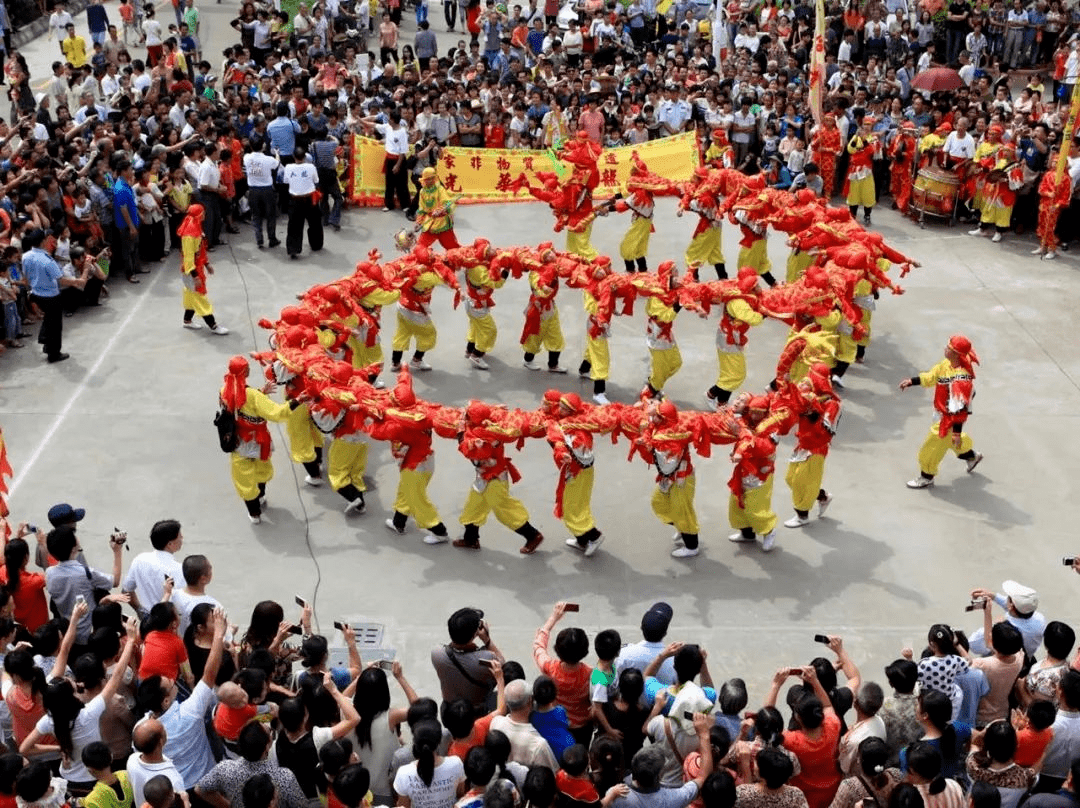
point(1024, 598)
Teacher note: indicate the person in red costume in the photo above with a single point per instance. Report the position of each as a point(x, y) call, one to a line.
point(953, 380)
point(826, 145)
point(1055, 196)
point(754, 457)
point(902, 155)
point(409, 425)
point(194, 267)
point(817, 408)
point(642, 186)
point(484, 434)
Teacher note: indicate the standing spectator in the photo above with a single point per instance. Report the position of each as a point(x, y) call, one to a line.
point(1021, 605)
point(71, 580)
point(302, 178)
point(145, 579)
point(46, 279)
point(427, 48)
point(899, 712)
point(324, 151)
point(654, 626)
point(126, 220)
point(570, 674)
point(261, 168)
point(743, 127)
point(396, 141)
point(814, 740)
point(27, 589)
point(1064, 748)
point(460, 664)
point(431, 781)
point(378, 733)
point(148, 762)
point(97, 20)
point(528, 746)
point(223, 785)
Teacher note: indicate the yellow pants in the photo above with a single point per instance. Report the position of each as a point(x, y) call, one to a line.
point(577, 503)
point(407, 331)
point(845, 348)
point(797, 264)
point(934, 449)
point(598, 356)
point(482, 332)
point(580, 244)
point(997, 215)
point(867, 320)
point(756, 256)
point(248, 473)
point(804, 479)
point(197, 303)
point(705, 248)
point(495, 499)
point(676, 506)
point(758, 513)
point(732, 370)
point(412, 497)
point(635, 243)
point(346, 464)
point(861, 192)
point(665, 364)
point(363, 356)
point(550, 337)
point(303, 436)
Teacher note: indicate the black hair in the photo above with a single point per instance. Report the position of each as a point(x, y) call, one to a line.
point(89, 671)
point(253, 681)
point(810, 712)
point(96, 755)
point(903, 675)
point(769, 726)
point(335, 756)
point(905, 795)
point(575, 760)
point(313, 651)
point(194, 568)
point(926, 761)
point(631, 685)
point(150, 697)
point(371, 699)
point(459, 717)
point(163, 532)
point(253, 741)
point(258, 791)
point(11, 763)
point(571, 645)
point(427, 735)
point(999, 741)
point(159, 792)
point(512, 671)
point(775, 767)
point(1058, 638)
point(61, 540)
point(544, 691)
point(941, 636)
point(539, 789)
point(161, 617)
point(606, 644)
point(873, 757)
point(938, 709)
point(20, 662)
point(291, 714)
point(687, 662)
point(33, 781)
point(733, 697)
point(718, 790)
point(1041, 714)
point(1006, 638)
point(479, 766)
point(351, 785)
point(46, 639)
point(498, 745)
point(423, 709)
point(1070, 689)
point(267, 615)
point(16, 553)
point(984, 795)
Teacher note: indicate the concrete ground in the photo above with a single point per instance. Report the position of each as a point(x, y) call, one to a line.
point(124, 429)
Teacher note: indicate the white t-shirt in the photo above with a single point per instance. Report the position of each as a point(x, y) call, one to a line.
point(260, 170)
point(139, 773)
point(302, 178)
point(152, 29)
point(443, 789)
point(185, 604)
point(146, 576)
point(960, 147)
point(83, 733)
point(396, 140)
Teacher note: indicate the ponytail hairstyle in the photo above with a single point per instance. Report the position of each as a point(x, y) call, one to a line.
point(941, 639)
point(64, 707)
point(606, 758)
point(873, 756)
point(925, 760)
point(905, 795)
point(938, 710)
point(20, 664)
point(16, 554)
point(427, 735)
point(499, 746)
point(769, 726)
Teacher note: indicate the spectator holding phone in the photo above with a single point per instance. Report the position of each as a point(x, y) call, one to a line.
point(460, 663)
point(570, 674)
point(71, 580)
point(145, 579)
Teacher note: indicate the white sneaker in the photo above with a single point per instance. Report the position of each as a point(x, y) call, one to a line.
point(837, 382)
point(601, 399)
point(823, 504)
point(920, 482)
point(1050, 256)
point(220, 330)
point(585, 375)
point(262, 502)
point(419, 364)
point(194, 326)
point(739, 538)
point(976, 460)
point(356, 506)
point(677, 538)
point(391, 526)
point(530, 365)
point(978, 231)
point(479, 363)
point(684, 552)
point(314, 482)
point(796, 521)
point(996, 238)
point(1037, 251)
point(768, 541)
point(431, 538)
point(593, 546)
point(255, 520)
point(556, 369)
point(573, 543)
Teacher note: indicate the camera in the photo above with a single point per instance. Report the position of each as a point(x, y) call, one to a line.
point(1067, 561)
point(975, 605)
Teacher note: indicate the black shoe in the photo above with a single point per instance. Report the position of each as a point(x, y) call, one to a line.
point(410, 216)
point(336, 227)
point(60, 357)
point(274, 242)
point(294, 256)
point(259, 244)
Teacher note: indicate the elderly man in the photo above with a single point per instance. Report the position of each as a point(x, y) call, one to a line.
point(149, 761)
point(648, 763)
point(527, 745)
point(460, 664)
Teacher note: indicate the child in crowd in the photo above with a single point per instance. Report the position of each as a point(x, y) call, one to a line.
point(602, 684)
point(9, 296)
point(570, 675)
point(240, 701)
point(549, 718)
point(1034, 731)
point(111, 788)
point(733, 700)
point(573, 781)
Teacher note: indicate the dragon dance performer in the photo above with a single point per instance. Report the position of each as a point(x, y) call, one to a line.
point(409, 425)
point(373, 291)
point(583, 155)
point(483, 442)
point(414, 322)
point(250, 464)
point(570, 434)
point(341, 411)
point(194, 268)
point(642, 187)
point(663, 306)
point(902, 155)
point(1055, 196)
point(720, 154)
point(817, 408)
point(751, 484)
point(435, 213)
point(599, 302)
point(953, 381)
point(1003, 182)
point(542, 328)
point(859, 186)
point(825, 146)
point(482, 278)
point(706, 246)
point(741, 311)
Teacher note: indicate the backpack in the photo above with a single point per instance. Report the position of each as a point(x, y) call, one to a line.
point(225, 421)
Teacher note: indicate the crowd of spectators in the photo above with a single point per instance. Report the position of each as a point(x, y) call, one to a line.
point(128, 686)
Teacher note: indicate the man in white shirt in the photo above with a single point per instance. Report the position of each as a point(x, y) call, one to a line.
point(396, 140)
point(843, 53)
point(179, 109)
point(212, 192)
point(198, 573)
point(527, 745)
point(303, 179)
point(58, 22)
point(959, 145)
point(260, 169)
point(148, 760)
point(145, 579)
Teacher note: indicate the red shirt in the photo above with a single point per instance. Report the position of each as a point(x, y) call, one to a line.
point(228, 721)
point(576, 788)
point(163, 654)
point(460, 747)
point(31, 606)
point(494, 136)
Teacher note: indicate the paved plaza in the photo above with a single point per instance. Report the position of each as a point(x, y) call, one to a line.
point(124, 429)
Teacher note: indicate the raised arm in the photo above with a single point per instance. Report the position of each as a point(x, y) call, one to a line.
point(851, 671)
point(117, 677)
point(59, 667)
point(217, 649)
point(349, 716)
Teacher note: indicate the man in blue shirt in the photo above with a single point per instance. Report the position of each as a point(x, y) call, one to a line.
point(45, 281)
point(126, 221)
point(282, 132)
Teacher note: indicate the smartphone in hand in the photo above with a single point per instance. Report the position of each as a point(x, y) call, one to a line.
point(821, 638)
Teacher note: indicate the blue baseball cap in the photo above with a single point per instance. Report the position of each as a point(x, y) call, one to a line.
point(63, 514)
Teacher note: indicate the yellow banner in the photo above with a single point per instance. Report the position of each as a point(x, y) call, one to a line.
point(485, 175)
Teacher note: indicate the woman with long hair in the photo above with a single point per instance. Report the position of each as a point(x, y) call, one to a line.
point(74, 725)
point(950, 738)
point(378, 733)
point(267, 631)
point(938, 670)
point(926, 774)
point(27, 589)
point(431, 780)
point(876, 781)
point(198, 640)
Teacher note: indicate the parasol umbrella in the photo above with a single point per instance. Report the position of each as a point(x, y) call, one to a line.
point(937, 79)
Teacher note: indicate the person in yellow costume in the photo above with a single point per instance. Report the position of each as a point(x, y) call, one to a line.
point(859, 187)
point(754, 246)
point(596, 363)
point(751, 484)
point(706, 245)
point(339, 412)
point(739, 314)
point(250, 464)
point(542, 328)
point(414, 322)
point(435, 213)
point(661, 310)
point(194, 268)
point(953, 380)
point(481, 281)
point(798, 261)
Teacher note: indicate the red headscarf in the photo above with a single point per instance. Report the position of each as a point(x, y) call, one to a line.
point(965, 354)
point(234, 392)
point(192, 224)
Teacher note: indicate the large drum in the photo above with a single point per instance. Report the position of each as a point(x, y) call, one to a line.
point(935, 192)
